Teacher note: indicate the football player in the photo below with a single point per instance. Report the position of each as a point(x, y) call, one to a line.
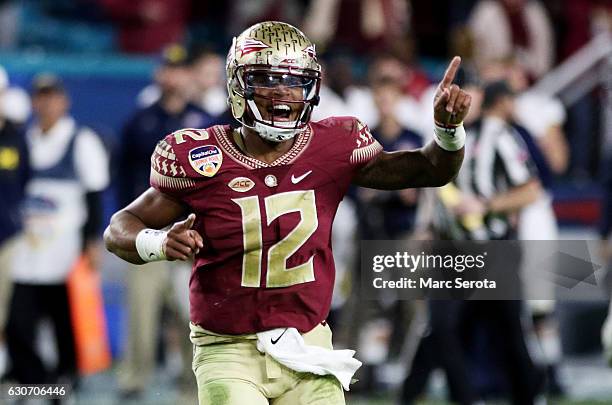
point(260, 200)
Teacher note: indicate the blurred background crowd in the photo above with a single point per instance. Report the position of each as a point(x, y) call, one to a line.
point(88, 87)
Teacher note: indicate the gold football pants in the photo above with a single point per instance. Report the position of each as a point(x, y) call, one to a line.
point(231, 371)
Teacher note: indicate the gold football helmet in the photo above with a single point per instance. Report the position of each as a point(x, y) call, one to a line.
point(263, 63)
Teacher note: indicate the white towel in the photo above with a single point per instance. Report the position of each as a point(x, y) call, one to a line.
point(287, 346)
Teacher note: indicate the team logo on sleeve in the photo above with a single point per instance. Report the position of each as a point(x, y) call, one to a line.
point(206, 160)
point(241, 184)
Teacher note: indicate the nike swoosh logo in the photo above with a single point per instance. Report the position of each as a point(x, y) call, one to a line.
point(275, 341)
point(296, 180)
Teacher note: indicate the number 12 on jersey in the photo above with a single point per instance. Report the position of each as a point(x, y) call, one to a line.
point(276, 205)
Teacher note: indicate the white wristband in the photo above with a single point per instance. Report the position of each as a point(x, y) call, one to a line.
point(150, 245)
point(449, 138)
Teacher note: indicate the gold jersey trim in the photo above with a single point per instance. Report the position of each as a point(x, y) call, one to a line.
point(173, 183)
point(365, 154)
point(229, 147)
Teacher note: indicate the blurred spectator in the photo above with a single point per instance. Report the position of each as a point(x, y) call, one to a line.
point(412, 81)
point(412, 84)
point(331, 103)
point(360, 26)
point(347, 97)
point(208, 92)
point(146, 26)
point(166, 283)
point(506, 28)
point(14, 174)
point(209, 74)
point(167, 109)
point(389, 214)
point(63, 215)
point(357, 99)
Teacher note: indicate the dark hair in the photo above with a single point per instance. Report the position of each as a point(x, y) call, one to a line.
point(494, 91)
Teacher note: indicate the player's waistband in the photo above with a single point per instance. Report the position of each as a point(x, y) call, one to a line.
point(202, 337)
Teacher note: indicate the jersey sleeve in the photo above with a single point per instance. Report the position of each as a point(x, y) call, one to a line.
point(168, 172)
point(363, 146)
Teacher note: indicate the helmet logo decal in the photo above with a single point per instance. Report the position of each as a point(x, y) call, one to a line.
point(310, 51)
point(206, 160)
point(250, 45)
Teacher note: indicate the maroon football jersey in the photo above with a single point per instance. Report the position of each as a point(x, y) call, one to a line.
point(267, 259)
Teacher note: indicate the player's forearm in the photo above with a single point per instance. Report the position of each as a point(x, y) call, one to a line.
point(430, 166)
point(445, 164)
point(120, 236)
point(516, 198)
point(555, 149)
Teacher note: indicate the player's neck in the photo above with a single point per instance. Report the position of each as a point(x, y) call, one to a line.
point(266, 151)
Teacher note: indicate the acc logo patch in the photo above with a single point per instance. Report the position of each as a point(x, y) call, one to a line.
point(206, 160)
point(241, 184)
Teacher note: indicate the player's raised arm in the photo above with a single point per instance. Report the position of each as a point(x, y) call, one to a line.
point(438, 162)
point(134, 232)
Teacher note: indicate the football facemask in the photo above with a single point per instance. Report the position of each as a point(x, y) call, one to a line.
point(278, 101)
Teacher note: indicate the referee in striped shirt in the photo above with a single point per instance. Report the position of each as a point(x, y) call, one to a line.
point(497, 169)
point(497, 179)
point(499, 173)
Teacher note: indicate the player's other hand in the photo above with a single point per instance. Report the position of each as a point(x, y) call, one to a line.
point(451, 104)
point(182, 242)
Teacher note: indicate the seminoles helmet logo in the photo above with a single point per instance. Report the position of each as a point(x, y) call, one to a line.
point(250, 45)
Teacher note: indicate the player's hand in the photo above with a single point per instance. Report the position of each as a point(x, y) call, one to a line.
point(182, 242)
point(470, 205)
point(451, 104)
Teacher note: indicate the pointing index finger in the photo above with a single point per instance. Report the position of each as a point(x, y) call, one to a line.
point(450, 73)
